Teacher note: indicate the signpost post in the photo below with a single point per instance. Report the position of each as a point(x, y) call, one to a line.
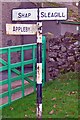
point(39, 70)
point(30, 29)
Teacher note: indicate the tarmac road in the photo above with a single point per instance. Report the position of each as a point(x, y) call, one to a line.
point(15, 84)
point(17, 94)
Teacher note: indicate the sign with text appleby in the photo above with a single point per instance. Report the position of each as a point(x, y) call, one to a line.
point(21, 29)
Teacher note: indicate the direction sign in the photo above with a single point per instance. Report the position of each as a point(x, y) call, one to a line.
point(24, 14)
point(21, 29)
point(52, 13)
point(44, 14)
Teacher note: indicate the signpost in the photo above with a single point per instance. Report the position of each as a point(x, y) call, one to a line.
point(31, 29)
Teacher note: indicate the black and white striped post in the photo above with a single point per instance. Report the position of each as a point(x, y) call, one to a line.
point(39, 70)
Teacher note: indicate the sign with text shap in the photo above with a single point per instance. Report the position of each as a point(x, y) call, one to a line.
point(24, 14)
point(52, 13)
point(21, 29)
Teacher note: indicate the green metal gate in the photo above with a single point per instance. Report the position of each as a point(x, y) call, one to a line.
point(12, 67)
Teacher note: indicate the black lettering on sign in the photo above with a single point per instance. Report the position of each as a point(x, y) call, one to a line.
point(55, 14)
point(19, 15)
point(21, 29)
point(14, 28)
point(52, 15)
point(24, 15)
point(48, 14)
point(42, 14)
point(29, 14)
point(60, 15)
point(63, 15)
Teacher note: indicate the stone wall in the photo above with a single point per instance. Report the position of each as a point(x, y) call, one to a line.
point(62, 54)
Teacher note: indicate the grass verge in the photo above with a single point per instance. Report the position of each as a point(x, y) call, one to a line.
point(60, 100)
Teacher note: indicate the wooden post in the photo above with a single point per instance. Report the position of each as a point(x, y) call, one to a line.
point(39, 70)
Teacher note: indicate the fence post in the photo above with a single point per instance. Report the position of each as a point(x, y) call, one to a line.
point(34, 65)
point(43, 60)
point(22, 70)
point(9, 76)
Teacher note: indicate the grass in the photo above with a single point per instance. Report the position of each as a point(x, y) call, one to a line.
point(60, 100)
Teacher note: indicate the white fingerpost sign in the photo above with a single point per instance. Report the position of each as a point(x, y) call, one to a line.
point(44, 14)
point(21, 29)
point(24, 14)
point(31, 29)
point(52, 13)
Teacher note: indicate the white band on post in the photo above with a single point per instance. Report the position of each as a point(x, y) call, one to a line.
point(39, 73)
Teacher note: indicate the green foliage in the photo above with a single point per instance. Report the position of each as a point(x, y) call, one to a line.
point(70, 13)
point(60, 100)
point(53, 4)
point(78, 19)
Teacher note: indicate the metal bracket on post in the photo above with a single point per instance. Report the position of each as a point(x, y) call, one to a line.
point(39, 70)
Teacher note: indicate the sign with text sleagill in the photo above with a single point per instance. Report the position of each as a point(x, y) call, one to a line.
point(24, 14)
point(52, 13)
point(21, 29)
